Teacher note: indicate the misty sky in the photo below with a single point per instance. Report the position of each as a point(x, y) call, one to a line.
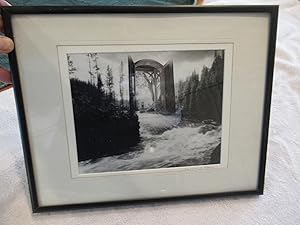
point(184, 63)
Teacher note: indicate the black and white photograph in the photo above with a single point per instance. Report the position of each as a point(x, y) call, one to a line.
point(146, 110)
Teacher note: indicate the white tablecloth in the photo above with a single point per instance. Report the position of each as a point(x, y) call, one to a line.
point(279, 205)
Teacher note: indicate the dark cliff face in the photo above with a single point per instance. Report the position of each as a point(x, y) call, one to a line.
point(103, 128)
point(203, 98)
point(106, 138)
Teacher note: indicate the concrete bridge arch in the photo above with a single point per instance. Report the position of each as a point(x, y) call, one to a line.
point(162, 73)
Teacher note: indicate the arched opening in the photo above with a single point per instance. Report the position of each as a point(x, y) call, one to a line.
point(159, 80)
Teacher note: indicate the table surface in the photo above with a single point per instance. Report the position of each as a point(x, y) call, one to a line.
point(279, 205)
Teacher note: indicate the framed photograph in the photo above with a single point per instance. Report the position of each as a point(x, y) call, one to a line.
point(122, 104)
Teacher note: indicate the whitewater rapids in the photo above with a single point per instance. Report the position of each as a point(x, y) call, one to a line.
point(163, 144)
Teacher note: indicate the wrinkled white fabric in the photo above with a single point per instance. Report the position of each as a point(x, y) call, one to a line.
point(279, 205)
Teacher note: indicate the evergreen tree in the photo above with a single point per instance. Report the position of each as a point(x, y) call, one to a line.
point(96, 68)
point(180, 97)
point(194, 80)
point(71, 66)
point(204, 82)
point(121, 87)
point(91, 58)
point(187, 96)
point(109, 82)
point(99, 83)
point(217, 68)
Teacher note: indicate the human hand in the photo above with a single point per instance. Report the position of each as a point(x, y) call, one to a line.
point(6, 46)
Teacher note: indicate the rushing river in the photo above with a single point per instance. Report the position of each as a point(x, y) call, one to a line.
point(163, 144)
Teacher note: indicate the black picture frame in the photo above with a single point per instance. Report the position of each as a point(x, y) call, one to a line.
point(8, 12)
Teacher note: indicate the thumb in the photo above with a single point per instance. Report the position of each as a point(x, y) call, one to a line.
point(6, 44)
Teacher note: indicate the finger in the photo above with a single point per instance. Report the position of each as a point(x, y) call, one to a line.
point(199, 2)
point(5, 76)
point(4, 3)
point(1, 25)
point(6, 44)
